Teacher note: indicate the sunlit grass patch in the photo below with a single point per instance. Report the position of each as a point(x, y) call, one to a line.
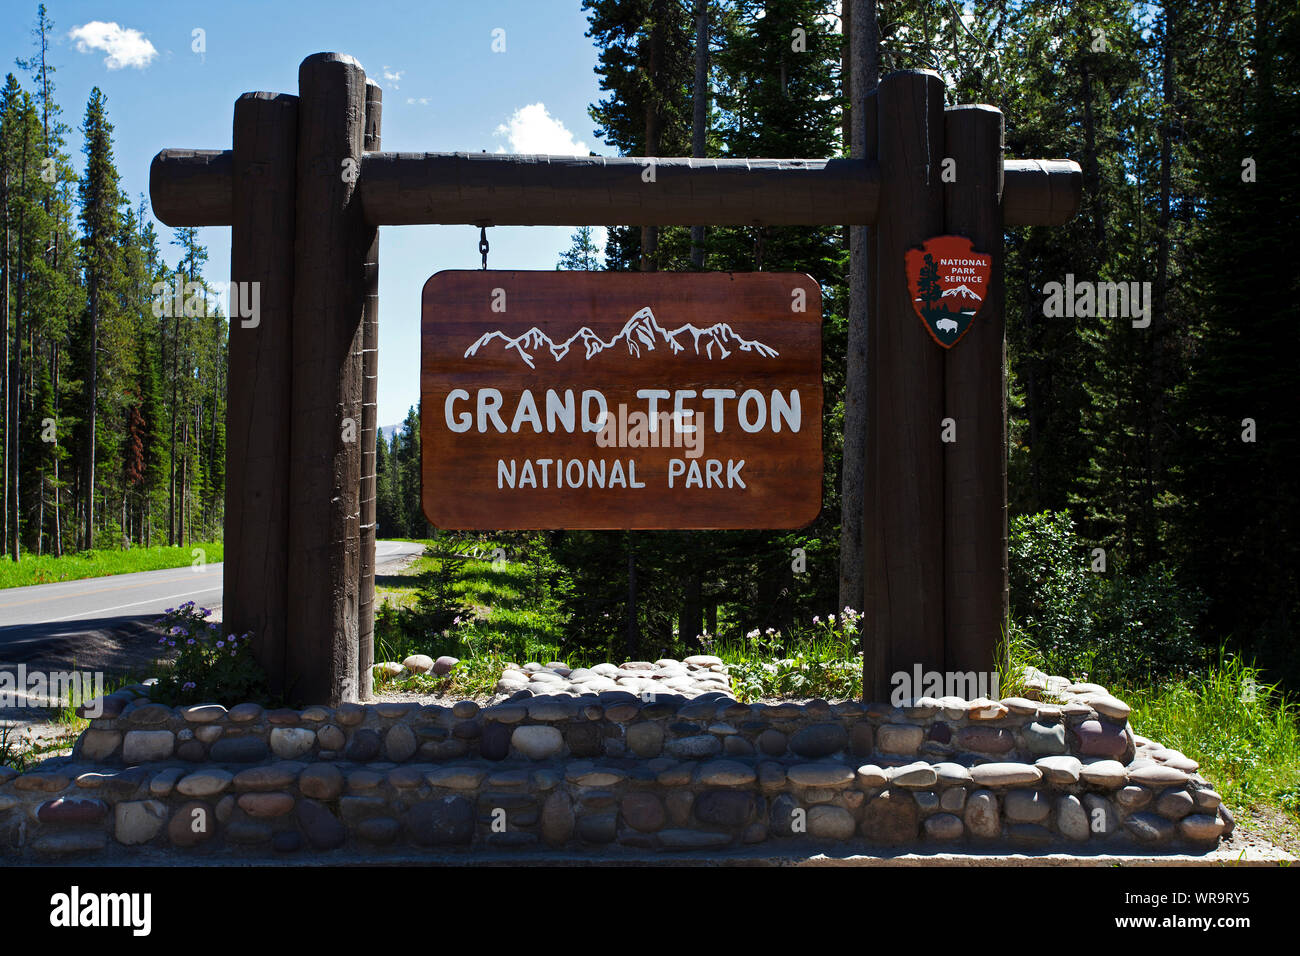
point(1244, 733)
point(47, 569)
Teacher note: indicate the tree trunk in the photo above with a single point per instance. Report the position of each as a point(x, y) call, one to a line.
point(184, 522)
point(16, 420)
point(653, 120)
point(9, 430)
point(632, 640)
point(40, 514)
point(92, 391)
point(58, 525)
point(1091, 170)
point(865, 76)
point(692, 617)
point(1160, 308)
point(171, 482)
point(848, 109)
point(700, 118)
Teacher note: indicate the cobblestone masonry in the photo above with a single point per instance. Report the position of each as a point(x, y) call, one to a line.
point(592, 768)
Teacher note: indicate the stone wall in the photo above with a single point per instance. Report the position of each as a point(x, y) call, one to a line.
point(613, 769)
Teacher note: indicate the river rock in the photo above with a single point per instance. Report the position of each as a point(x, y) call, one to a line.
point(1005, 775)
point(891, 818)
point(819, 740)
point(145, 746)
point(287, 743)
point(205, 783)
point(1060, 770)
point(830, 823)
point(1026, 806)
point(321, 828)
point(138, 821)
point(899, 738)
point(418, 663)
point(944, 827)
point(981, 816)
point(537, 742)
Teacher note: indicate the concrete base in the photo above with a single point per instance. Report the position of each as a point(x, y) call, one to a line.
point(1253, 856)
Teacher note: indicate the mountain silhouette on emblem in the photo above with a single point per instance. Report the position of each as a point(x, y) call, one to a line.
point(962, 291)
point(642, 333)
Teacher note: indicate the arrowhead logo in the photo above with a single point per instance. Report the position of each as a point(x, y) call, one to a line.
point(948, 282)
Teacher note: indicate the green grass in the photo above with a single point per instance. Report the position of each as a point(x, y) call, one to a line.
point(1245, 734)
point(509, 619)
point(92, 564)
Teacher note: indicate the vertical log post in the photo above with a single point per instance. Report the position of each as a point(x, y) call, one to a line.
point(904, 548)
point(975, 465)
point(256, 563)
point(325, 459)
point(369, 423)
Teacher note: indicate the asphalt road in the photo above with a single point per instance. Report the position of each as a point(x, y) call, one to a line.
point(99, 621)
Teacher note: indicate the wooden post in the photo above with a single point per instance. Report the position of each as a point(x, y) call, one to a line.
point(975, 465)
point(369, 425)
point(325, 460)
point(257, 411)
point(904, 547)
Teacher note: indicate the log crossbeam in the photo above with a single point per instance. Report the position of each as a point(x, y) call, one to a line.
point(190, 187)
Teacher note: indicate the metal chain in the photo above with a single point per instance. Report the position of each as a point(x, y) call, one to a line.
point(758, 249)
point(483, 244)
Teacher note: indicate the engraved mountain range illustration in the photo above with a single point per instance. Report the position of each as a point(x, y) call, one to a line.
point(642, 333)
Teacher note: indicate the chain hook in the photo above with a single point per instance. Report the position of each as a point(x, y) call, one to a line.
point(483, 244)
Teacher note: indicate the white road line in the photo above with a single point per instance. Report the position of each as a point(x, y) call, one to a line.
point(101, 610)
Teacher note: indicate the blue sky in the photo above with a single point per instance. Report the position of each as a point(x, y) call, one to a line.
point(444, 89)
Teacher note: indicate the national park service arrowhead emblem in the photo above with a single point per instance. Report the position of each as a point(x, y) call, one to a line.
point(948, 282)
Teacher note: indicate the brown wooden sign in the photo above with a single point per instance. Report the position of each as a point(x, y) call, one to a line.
point(621, 400)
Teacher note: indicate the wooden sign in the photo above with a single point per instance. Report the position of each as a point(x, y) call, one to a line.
point(621, 400)
point(948, 281)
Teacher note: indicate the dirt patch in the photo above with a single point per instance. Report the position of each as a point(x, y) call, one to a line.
point(1262, 826)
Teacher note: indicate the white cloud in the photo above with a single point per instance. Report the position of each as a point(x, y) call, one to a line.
point(392, 76)
point(420, 100)
point(531, 129)
point(124, 46)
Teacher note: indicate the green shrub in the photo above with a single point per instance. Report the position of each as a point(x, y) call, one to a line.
point(1118, 625)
